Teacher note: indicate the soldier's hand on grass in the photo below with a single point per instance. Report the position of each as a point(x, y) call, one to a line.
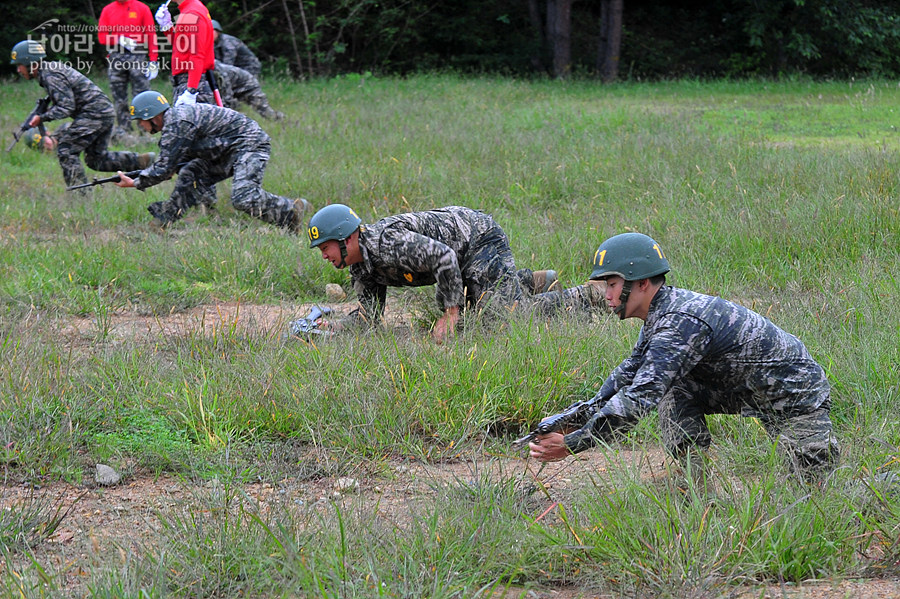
point(124, 180)
point(549, 448)
point(446, 324)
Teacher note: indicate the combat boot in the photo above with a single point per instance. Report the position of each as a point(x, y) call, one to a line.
point(145, 160)
point(301, 207)
point(544, 281)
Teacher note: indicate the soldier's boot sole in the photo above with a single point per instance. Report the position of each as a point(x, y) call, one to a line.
point(544, 281)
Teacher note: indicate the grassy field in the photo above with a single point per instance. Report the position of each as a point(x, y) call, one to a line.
point(779, 195)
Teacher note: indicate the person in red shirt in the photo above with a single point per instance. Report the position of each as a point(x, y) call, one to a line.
point(128, 32)
point(193, 54)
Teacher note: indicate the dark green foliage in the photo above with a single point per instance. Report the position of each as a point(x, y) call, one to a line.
point(730, 38)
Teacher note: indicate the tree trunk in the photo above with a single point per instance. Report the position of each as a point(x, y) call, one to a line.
point(534, 15)
point(610, 39)
point(559, 35)
point(290, 22)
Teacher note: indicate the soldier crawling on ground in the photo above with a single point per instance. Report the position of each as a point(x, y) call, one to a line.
point(74, 96)
point(463, 252)
point(698, 355)
point(237, 85)
point(206, 144)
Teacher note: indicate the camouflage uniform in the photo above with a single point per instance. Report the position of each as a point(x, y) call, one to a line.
point(462, 251)
point(204, 92)
point(578, 299)
point(699, 355)
point(237, 85)
point(210, 144)
point(125, 68)
point(231, 50)
point(76, 96)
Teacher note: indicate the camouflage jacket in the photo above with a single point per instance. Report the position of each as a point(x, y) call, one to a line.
point(73, 94)
point(746, 362)
point(234, 82)
point(204, 131)
point(415, 249)
point(232, 50)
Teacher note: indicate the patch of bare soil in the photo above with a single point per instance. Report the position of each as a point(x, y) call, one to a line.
point(264, 320)
point(106, 521)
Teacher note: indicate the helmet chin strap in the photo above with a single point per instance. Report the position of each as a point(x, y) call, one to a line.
point(343, 246)
point(623, 299)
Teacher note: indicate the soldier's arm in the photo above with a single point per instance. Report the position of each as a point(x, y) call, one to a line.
point(671, 352)
point(61, 95)
point(372, 297)
point(176, 139)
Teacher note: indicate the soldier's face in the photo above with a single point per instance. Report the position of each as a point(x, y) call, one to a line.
point(24, 71)
point(614, 291)
point(331, 251)
point(153, 125)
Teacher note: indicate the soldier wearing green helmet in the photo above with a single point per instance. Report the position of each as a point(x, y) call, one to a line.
point(698, 355)
point(43, 142)
point(73, 95)
point(205, 144)
point(633, 257)
point(463, 252)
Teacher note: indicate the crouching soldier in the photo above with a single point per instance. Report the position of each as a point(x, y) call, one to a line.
point(698, 355)
point(206, 144)
point(237, 85)
point(74, 96)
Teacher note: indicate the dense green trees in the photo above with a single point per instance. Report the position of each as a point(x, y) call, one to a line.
point(606, 38)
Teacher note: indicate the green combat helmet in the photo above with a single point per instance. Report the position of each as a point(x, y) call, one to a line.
point(34, 138)
point(147, 105)
point(27, 52)
point(632, 256)
point(333, 222)
point(216, 26)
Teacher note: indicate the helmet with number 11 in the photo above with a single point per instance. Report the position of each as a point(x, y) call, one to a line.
point(632, 256)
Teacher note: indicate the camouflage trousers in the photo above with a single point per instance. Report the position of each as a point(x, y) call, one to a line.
point(804, 432)
point(125, 68)
point(489, 271)
point(91, 136)
point(197, 178)
point(204, 92)
point(257, 100)
point(578, 299)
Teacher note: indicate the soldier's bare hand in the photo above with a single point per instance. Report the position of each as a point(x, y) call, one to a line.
point(35, 121)
point(549, 448)
point(446, 324)
point(124, 180)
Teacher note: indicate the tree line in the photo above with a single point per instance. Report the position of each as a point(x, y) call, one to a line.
point(608, 39)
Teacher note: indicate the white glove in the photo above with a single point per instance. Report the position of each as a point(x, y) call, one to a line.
point(151, 70)
point(164, 17)
point(186, 97)
point(127, 43)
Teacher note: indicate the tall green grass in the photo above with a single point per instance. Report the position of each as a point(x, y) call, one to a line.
point(779, 195)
